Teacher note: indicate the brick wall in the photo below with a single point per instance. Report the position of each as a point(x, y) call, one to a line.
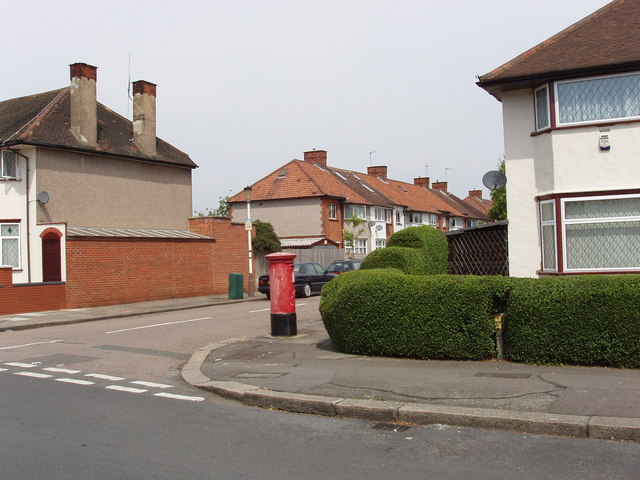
point(34, 297)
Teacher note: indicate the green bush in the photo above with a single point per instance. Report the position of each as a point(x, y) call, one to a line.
point(384, 312)
point(407, 260)
point(587, 320)
point(430, 241)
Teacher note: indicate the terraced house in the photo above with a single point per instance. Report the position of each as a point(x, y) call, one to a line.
point(309, 203)
point(571, 108)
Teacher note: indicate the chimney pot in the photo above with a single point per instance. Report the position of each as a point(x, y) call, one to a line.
point(316, 156)
point(84, 103)
point(421, 181)
point(439, 186)
point(379, 171)
point(144, 117)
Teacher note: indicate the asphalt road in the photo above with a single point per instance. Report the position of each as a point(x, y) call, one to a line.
point(104, 400)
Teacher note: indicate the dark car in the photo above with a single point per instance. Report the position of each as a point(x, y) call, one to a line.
point(309, 278)
point(342, 266)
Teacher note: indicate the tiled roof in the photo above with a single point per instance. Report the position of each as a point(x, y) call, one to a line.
point(481, 204)
point(606, 40)
point(303, 179)
point(300, 241)
point(132, 233)
point(44, 120)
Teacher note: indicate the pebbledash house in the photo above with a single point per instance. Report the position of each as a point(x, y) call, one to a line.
point(571, 112)
point(95, 209)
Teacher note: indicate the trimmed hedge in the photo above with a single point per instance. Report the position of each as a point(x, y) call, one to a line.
point(430, 241)
point(387, 313)
point(587, 320)
point(408, 260)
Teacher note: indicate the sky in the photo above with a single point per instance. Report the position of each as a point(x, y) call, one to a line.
point(244, 86)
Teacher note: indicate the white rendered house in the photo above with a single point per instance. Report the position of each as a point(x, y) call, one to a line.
point(571, 113)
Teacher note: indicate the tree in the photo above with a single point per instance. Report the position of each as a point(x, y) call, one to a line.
point(498, 210)
point(221, 211)
point(351, 235)
point(266, 240)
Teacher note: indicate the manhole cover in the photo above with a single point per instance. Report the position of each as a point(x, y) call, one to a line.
point(503, 375)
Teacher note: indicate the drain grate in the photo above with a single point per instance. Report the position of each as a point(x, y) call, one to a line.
point(390, 427)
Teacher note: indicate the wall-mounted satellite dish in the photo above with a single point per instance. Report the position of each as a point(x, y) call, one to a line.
point(379, 227)
point(494, 179)
point(371, 223)
point(43, 197)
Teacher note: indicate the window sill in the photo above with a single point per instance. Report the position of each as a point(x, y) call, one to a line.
point(583, 125)
point(569, 274)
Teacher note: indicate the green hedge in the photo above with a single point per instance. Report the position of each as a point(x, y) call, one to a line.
point(407, 260)
point(430, 241)
point(385, 312)
point(587, 320)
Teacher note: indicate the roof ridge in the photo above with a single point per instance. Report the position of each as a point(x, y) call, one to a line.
point(549, 41)
point(41, 115)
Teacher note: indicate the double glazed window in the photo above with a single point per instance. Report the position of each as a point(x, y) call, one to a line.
point(10, 244)
point(598, 234)
point(360, 246)
point(588, 100)
point(333, 211)
point(359, 211)
point(9, 165)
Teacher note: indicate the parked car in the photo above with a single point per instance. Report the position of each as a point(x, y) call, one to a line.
point(309, 279)
point(342, 266)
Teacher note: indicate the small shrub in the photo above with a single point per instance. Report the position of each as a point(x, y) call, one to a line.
point(407, 260)
point(430, 241)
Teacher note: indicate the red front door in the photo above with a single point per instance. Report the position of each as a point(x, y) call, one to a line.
point(51, 265)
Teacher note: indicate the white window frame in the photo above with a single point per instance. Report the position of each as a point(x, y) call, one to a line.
point(548, 223)
point(379, 214)
point(565, 222)
point(333, 211)
point(11, 237)
point(547, 106)
point(388, 216)
point(455, 223)
point(414, 216)
point(381, 243)
point(360, 246)
point(588, 122)
point(359, 210)
point(399, 216)
point(4, 156)
point(433, 220)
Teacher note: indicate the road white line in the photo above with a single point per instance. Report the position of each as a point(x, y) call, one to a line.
point(33, 374)
point(61, 370)
point(261, 310)
point(179, 397)
point(120, 388)
point(75, 381)
point(160, 325)
point(18, 364)
point(104, 377)
point(29, 344)
point(151, 384)
point(4, 369)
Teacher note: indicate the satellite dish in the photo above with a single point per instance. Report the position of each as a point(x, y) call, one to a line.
point(494, 179)
point(379, 227)
point(43, 197)
point(371, 223)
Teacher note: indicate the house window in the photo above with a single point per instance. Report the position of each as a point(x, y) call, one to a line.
point(596, 99)
point(433, 220)
point(381, 242)
point(399, 217)
point(359, 211)
point(333, 211)
point(599, 234)
point(415, 217)
point(360, 246)
point(388, 215)
point(379, 214)
point(455, 223)
point(9, 168)
point(10, 244)
point(543, 119)
point(548, 229)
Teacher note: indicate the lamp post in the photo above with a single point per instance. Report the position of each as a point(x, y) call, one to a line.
point(248, 227)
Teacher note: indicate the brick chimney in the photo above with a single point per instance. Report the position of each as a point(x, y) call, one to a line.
point(316, 156)
point(421, 181)
point(439, 186)
point(144, 117)
point(475, 193)
point(84, 104)
point(379, 171)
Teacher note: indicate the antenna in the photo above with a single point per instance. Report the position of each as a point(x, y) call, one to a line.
point(128, 85)
point(371, 153)
point(494, 179)
point(445, 172)
point(426, 167)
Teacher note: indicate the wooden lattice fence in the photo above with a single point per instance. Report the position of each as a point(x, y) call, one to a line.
point(481, 250)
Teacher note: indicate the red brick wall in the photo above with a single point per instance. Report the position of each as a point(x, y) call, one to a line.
point(29, 297)
point(332, 228)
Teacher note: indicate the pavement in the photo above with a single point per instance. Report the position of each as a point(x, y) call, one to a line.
point(305, 374)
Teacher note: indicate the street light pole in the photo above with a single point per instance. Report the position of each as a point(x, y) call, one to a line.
point(248, 225)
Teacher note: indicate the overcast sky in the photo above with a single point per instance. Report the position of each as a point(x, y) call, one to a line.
point(246, 86)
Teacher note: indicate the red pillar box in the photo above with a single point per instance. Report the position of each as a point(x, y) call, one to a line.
point(283, 294)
